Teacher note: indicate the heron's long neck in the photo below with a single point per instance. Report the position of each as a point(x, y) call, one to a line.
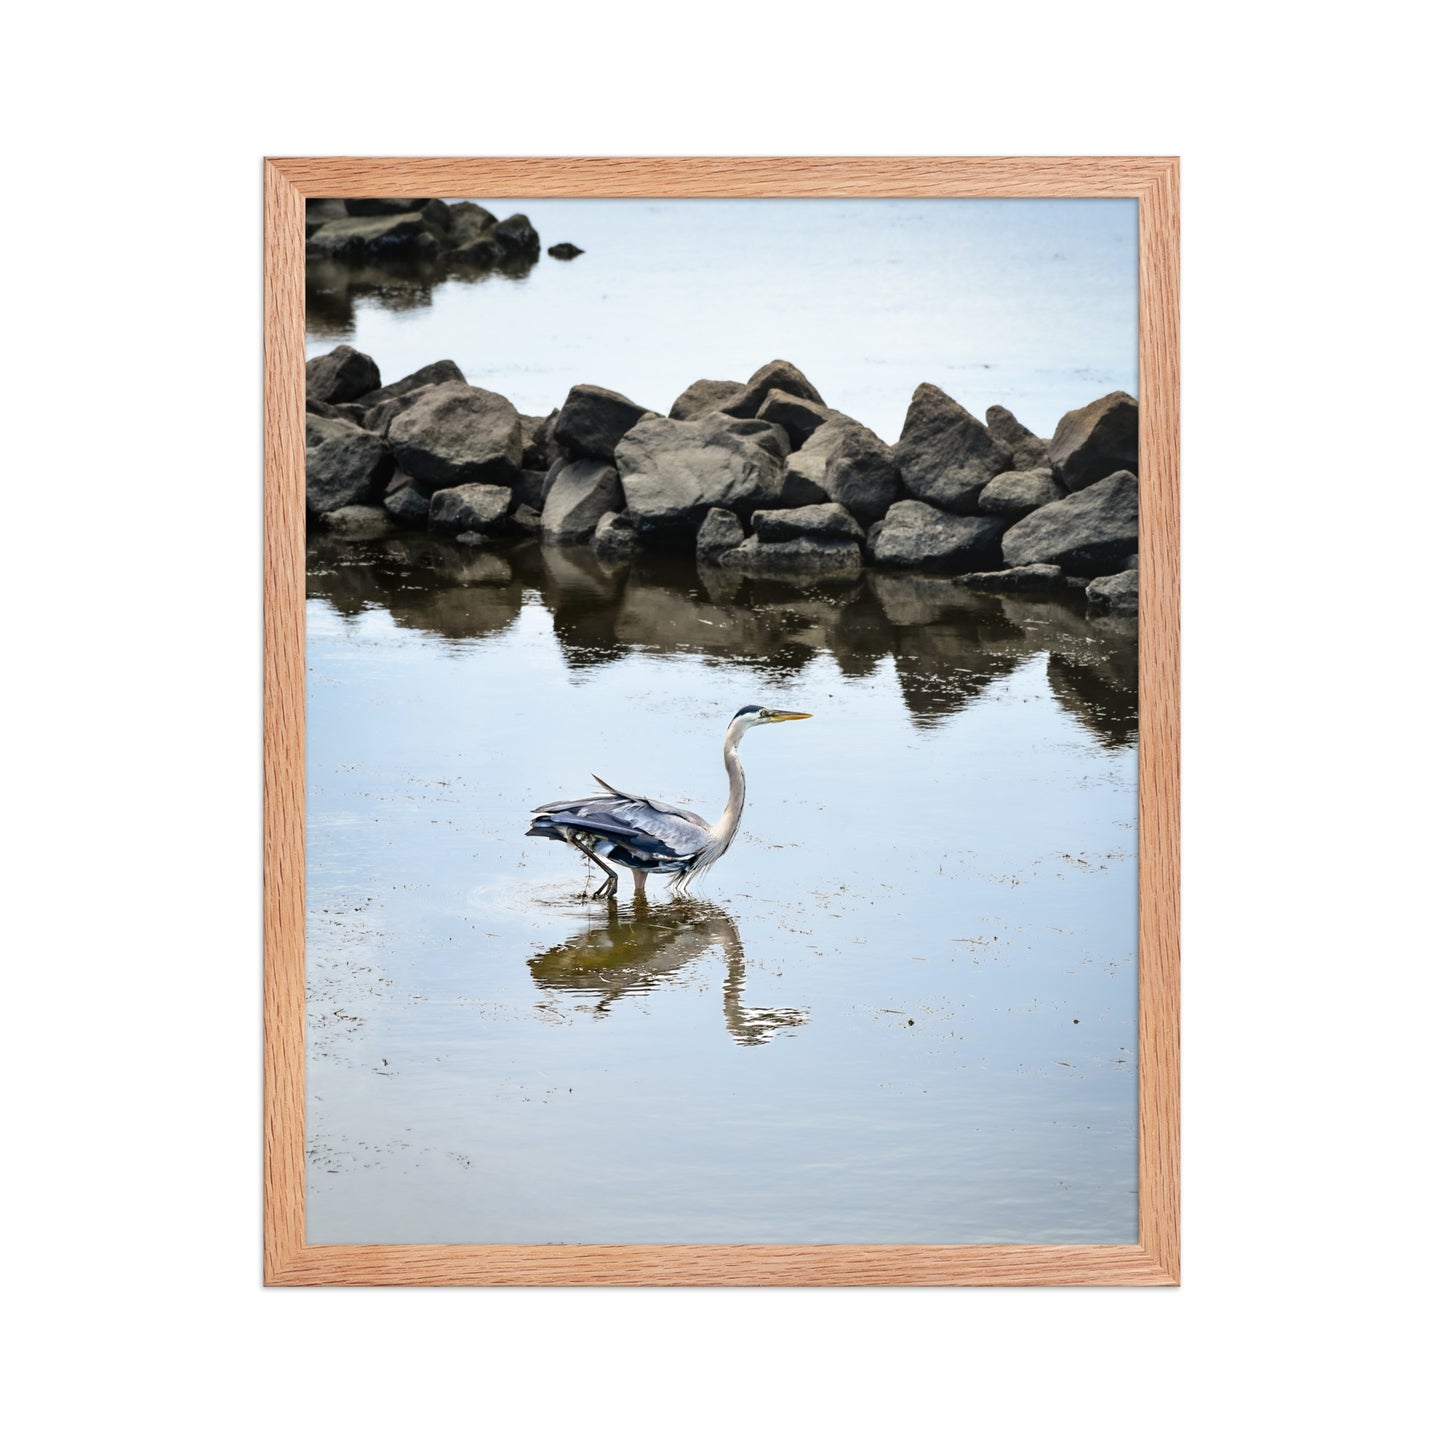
point(727, 825)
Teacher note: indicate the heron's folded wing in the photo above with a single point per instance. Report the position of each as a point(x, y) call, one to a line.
point(670, 808)
point(642, 827)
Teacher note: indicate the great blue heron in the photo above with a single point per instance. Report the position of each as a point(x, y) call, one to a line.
point(650, 837)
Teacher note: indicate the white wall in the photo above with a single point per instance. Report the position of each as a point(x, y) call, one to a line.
point(132, 554)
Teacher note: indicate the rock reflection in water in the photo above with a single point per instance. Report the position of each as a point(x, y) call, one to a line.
point(945, 643)
point(639, 948)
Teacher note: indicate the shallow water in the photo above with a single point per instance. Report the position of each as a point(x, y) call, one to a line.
point(1031, 304)
point(901, 1010)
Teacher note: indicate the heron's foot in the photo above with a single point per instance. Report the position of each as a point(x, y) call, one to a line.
point(608, 889)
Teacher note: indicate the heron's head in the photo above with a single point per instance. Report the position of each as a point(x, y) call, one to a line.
point(751, 716)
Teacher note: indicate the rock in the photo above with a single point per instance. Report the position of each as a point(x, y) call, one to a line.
point(437, 215)
point(565, 251)
point(1097, 441)
point(482, 252)
point(435, 373)
point(767, 434)
point(916, 535)
point(615, 539)
point(798, 417)
point(345, 466)
point(826, 519)
point(1040, 577)
point(705, 396)
point(946, 456)
point(380, 418)
point(810, 556)
point(1119, 593)
point(470, 221)
point(454, 434)
point(382, 206)
point(471, 539)
point(1028, 450)
point(404, 502)
point(582, 493)
point(320, 211)
point(859, 471)
point(593, 420)
point(527, 519)
point(530, 489)
point(539, 446)
point(1016, 494)
point(803, 480)
point(321, 408)
point(1130, 563)
point(358, 521)
point(775, 376)
point(473, 507)
point(720, 532)
point(1089, 533)
point(516, 236)
point(373, 238)
point(341, 375)
point(673, 471)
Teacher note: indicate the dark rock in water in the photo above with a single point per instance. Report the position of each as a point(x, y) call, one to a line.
point(404, 502)
point(474, 507)
point(673, 471)
point(946, 456)
point(374, 238)
point(539, 446)
point(1028, 450)
point(345, 466)
point(469, 220)
point(859, 471)
point(1088, 534)
point(526, 519)
point(720, 532)
point(826, 519)
point(382, 206)
point(565, 251)
point(1039, 578)
point(799, 418)
point(615, 539)
point(705, 396)
point(481, 251)
point(1130, 564)
point(437, 215)
point(471, 539)
point(593, 420)
point(343, 374)
point(1119, 593)
point(433, 374)
point(455, 433)
point(916, 535)
point(321, 408)
point(358, 521)
point(767, 434)
point(319, 212)
point(582, 493)
point(808, 556)
point(1016, 494)
point(517, 236)
point(803, 480)
point(530, 489)
point(1097, 441)
point(775, 376)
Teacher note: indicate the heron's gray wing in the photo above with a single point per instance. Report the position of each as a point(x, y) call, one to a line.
point(639, 824)
point(656, 806)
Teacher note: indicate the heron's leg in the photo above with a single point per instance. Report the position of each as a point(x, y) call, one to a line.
point(639, 882)
point(610, 886)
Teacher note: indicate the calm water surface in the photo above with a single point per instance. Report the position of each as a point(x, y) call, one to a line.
point(902, 1008)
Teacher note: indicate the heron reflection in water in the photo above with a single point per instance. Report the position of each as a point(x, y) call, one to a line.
point(637, 951)
point(649, 837)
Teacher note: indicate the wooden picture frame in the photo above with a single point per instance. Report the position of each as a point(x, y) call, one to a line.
point(288, 1258)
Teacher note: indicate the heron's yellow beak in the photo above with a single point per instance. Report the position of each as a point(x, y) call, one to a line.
point(789, 716)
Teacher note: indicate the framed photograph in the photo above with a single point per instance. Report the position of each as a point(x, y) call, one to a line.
point(603, 469)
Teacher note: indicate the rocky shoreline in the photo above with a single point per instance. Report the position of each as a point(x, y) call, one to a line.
point(759, 478)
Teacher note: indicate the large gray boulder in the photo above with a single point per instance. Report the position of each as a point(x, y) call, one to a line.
point(517, 236)
point(1119, 593)
point(720, 532)
point(1028, 450)
point(803, 479)
point(812, 557)
point(1041, 577)
point(343, 374)
point(345, 466)
point(923, 538)
point(826, 519)
point(593, 420)
point(1088, 534)
point(798, 417)
point(775, 376)
point(859, 471)
point(579, 497)
point(705, 396)
point(1016, 494)
point(673, 471)
point(1097, 441)
point(766, 434)
point(946, 456)
point(473, 507)
point(406, 504)
point(435, 373)
point(455, 434)
point(409, 237)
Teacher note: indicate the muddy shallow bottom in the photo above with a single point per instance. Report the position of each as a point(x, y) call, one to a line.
point(901, 1010)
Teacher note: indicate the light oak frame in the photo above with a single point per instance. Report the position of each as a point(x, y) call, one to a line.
point(288, 1259)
